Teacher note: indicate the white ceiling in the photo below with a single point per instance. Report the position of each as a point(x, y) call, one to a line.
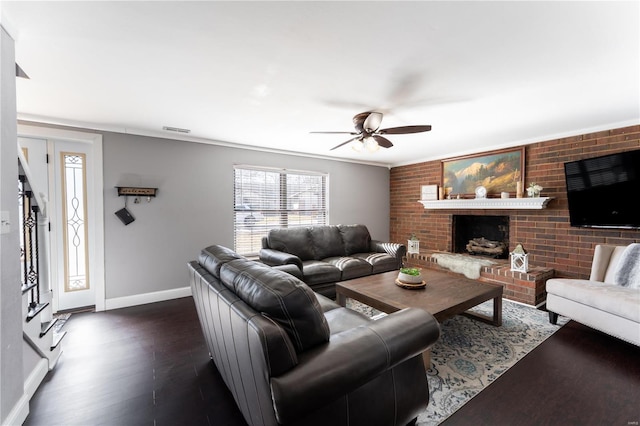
point(485, 75)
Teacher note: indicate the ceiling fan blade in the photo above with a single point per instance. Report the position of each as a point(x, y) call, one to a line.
point(358, 121)
point(383, 142)
point(344, 143)
point(372, 123)
point(404, 130)
point(337, 133)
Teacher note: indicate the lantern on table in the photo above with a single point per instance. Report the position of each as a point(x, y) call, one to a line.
point(519, 259)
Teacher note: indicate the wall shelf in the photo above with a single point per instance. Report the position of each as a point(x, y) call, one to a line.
point(528, 203)
point(136, 191)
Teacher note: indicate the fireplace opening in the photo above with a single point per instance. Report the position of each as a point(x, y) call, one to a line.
point(481, 235)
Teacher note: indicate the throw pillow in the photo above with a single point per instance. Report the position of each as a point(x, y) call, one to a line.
point(628, 269)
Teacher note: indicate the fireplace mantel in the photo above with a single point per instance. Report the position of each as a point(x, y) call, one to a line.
point(528, 203)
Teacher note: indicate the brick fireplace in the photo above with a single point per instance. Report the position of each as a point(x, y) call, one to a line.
point(522, 287)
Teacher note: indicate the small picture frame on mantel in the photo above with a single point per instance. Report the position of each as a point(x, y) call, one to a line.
point(429, 192)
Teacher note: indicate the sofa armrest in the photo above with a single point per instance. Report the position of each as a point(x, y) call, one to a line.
point(399, 251)
point(275, 257)
point(351, 359)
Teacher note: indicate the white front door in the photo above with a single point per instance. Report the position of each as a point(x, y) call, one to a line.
point(72, 227)
point(76, 216)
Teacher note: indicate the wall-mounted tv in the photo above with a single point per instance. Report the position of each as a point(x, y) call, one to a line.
point(604, 192)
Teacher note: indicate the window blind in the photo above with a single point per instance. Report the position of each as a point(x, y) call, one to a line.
point(275, 198)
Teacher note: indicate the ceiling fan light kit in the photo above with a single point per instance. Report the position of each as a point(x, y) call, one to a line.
point(368, 132)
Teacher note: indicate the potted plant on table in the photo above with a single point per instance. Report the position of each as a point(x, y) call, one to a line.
point(410, 275)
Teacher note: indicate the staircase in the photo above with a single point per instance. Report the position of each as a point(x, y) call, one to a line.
point(42, 347)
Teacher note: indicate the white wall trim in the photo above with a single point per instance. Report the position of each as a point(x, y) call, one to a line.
point(142, 299)
point(18, 413)
point(36, 377)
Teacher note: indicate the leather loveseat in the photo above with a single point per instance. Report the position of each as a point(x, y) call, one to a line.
point(609, 300)
point(291, 356)
point(323, 255)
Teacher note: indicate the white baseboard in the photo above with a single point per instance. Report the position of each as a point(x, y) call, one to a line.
point(142, 299)
point(36, 377)
point(18, 413)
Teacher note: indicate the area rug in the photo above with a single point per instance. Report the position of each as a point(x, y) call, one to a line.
point(471, 354)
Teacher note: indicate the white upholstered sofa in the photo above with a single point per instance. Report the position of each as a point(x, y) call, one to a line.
point(609, 300)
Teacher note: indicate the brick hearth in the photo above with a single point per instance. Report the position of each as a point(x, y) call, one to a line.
point(522, 287)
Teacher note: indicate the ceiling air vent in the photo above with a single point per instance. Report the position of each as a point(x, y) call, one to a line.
point(175, 129)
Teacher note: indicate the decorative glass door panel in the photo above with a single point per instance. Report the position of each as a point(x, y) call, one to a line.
point(74, 219)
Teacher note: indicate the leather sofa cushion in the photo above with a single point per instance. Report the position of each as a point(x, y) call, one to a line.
point(356, 238)
point(327, 241)
point(350, 267)
point(280, 296)
point(292, 240)
point(317, 271)
point(327, 304)
point(213, 257)
point(345, 319)
point(380, 262)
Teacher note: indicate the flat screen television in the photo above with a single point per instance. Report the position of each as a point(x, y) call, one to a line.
point(604, 192)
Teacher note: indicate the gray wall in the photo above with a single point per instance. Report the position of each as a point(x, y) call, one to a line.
point(194, 206)
point(10, 296)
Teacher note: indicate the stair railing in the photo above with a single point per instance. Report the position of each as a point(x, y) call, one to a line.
point(31, 244)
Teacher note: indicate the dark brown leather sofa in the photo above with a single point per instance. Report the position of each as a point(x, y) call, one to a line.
point(291, 356)
point(323, 255)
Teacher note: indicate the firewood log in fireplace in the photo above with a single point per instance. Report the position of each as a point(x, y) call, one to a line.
point(486, 247)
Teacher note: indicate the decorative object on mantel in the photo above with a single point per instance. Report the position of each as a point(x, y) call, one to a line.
point(518, 189)
point(463, 264)
point(519, 259)
point(534, 190)
point(429, 192)
point(533, 203)
point(481, 192)
point(413, 244)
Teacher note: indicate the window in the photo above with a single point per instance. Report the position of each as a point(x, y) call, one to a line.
point(275, 198)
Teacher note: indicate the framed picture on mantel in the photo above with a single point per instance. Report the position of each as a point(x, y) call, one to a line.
point(497, 171)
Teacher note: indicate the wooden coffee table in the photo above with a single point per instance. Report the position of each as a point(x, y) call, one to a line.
point(444, 296)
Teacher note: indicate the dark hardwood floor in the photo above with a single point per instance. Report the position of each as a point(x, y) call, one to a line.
point(145, 365)
point(148, 365)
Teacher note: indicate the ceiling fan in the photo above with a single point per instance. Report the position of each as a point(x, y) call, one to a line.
point(368, 132)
